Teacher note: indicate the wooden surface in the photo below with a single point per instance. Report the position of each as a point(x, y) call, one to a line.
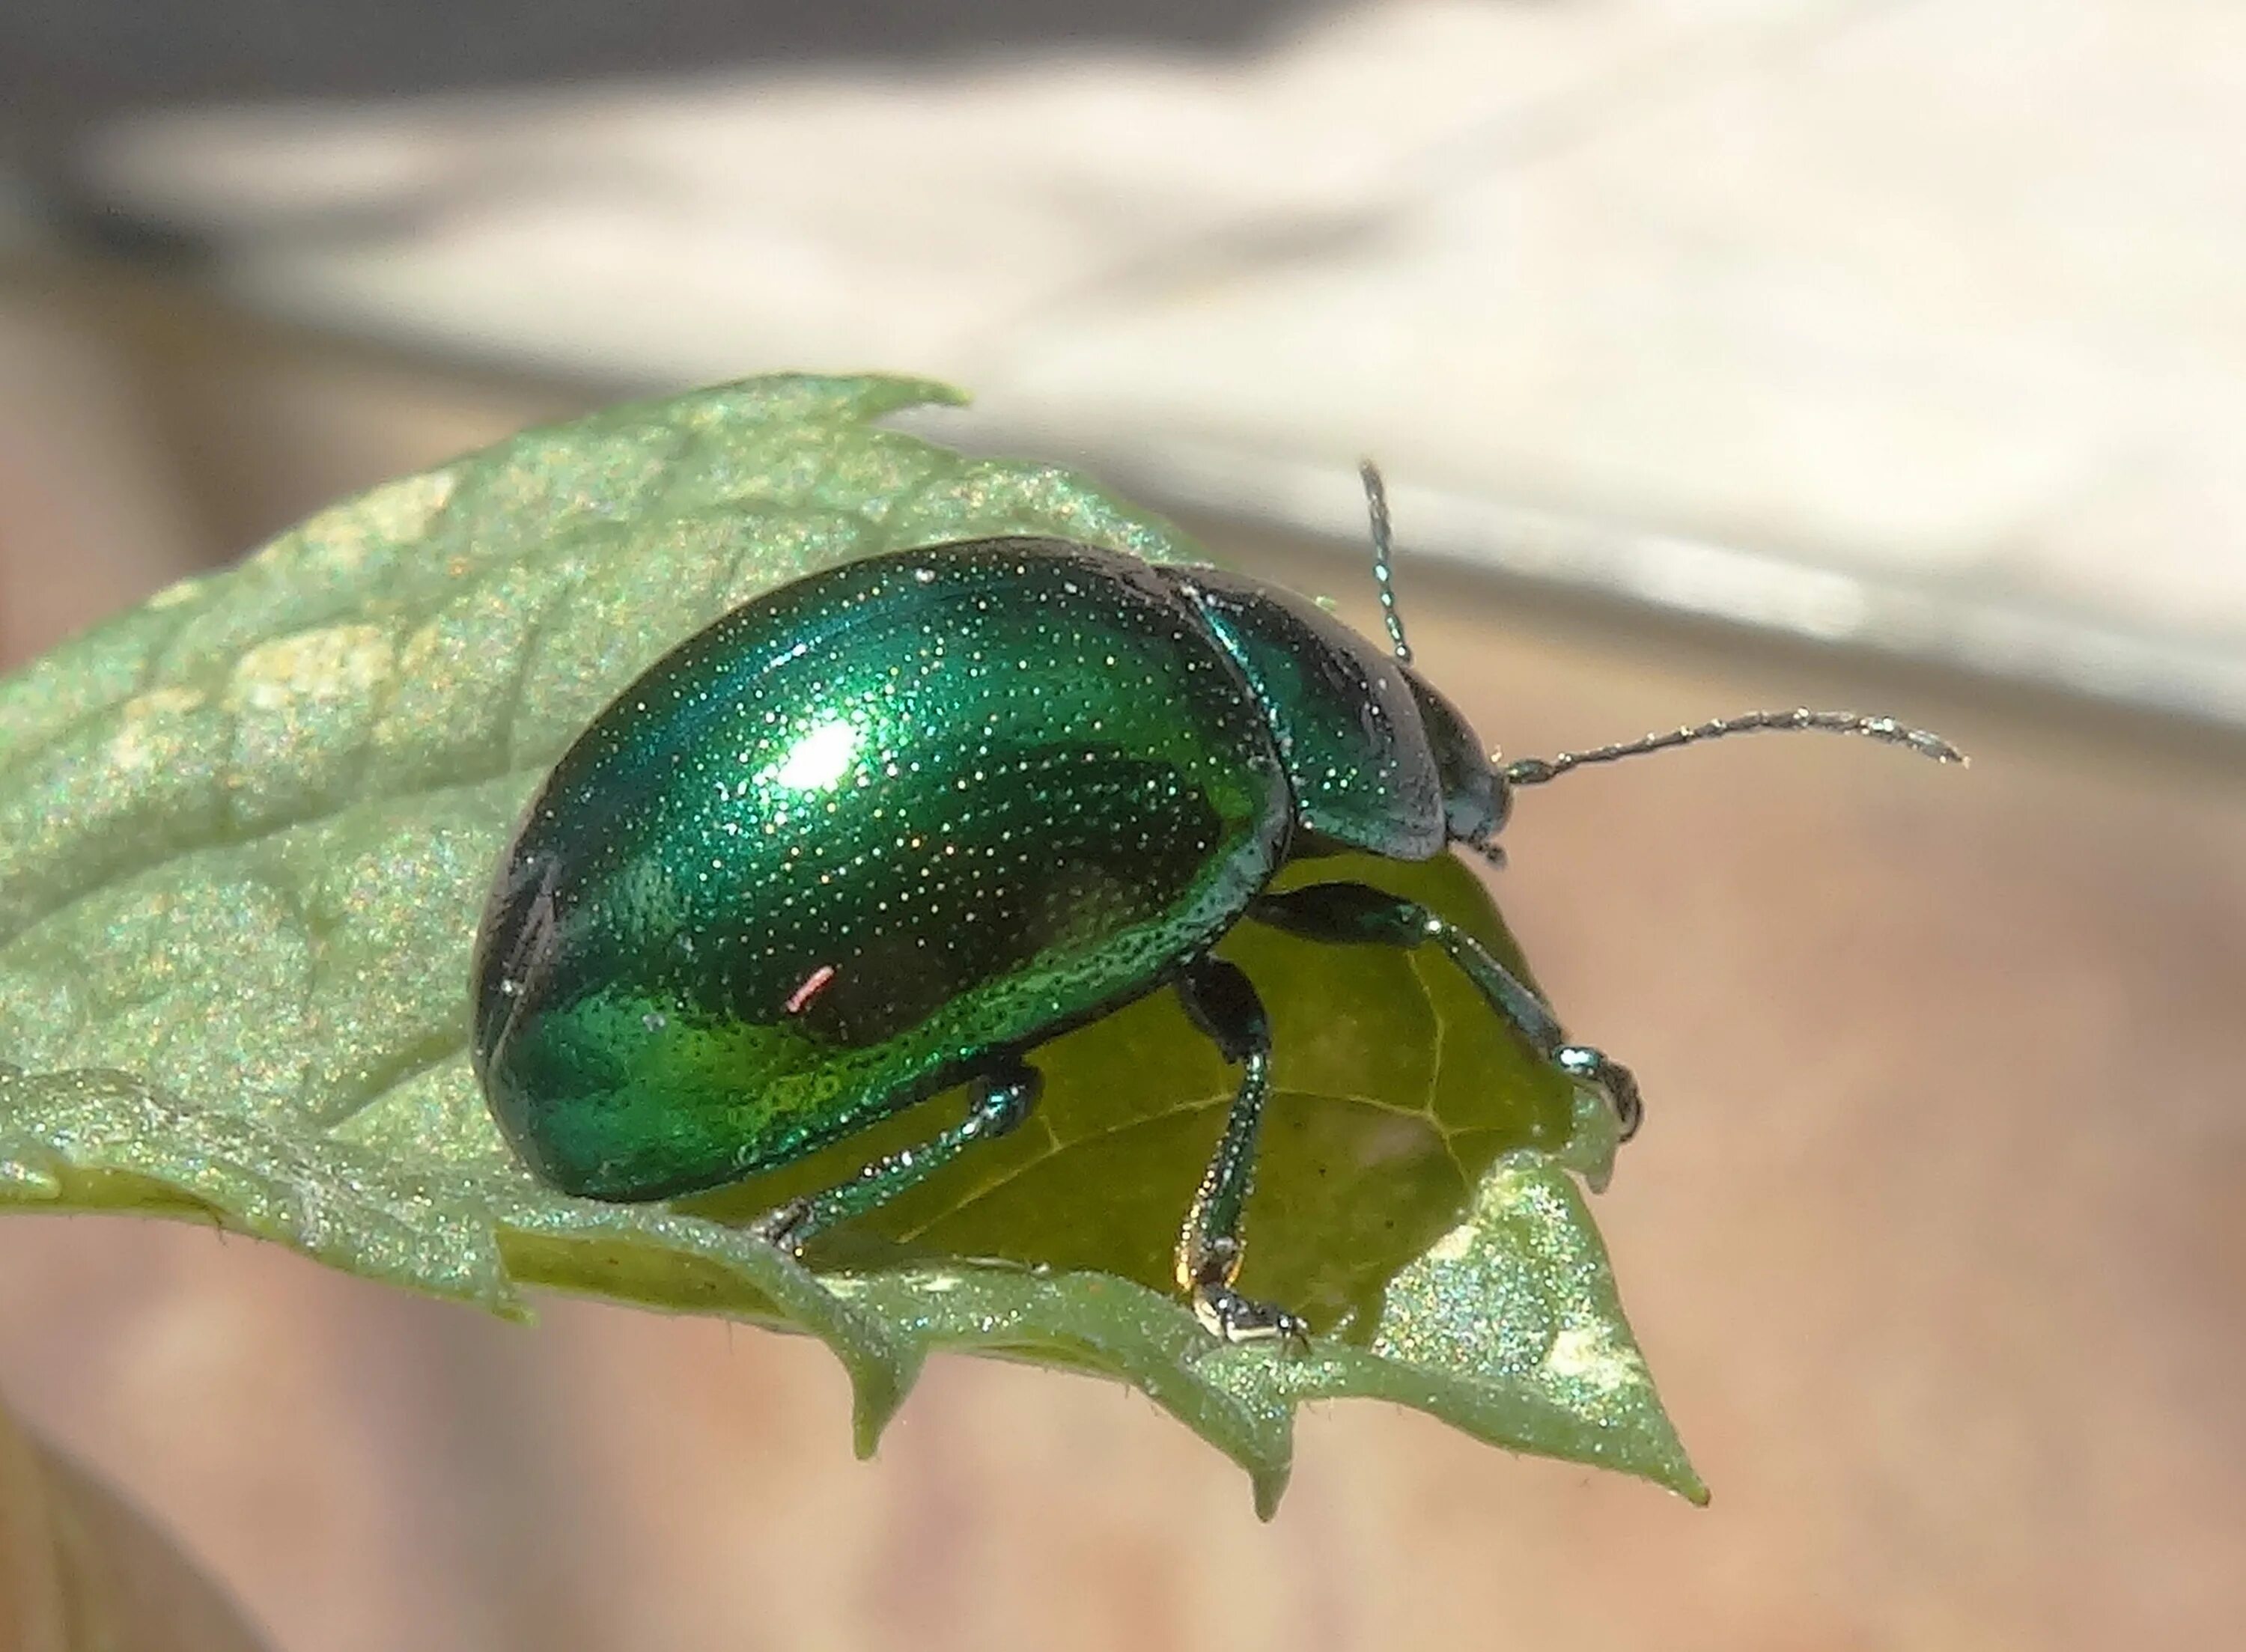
point(1918, 321)
point(1933, 1239)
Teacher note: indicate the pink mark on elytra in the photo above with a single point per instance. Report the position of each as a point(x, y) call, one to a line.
point(813, 984)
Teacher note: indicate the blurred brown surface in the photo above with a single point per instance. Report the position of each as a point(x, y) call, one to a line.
point(1932, 1238)
point(83, 1570)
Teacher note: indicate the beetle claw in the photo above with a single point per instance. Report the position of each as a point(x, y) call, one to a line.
point(782, 1226)
point(1615, 1080)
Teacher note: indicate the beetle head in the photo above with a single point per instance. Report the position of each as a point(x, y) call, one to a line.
point(1477, 798)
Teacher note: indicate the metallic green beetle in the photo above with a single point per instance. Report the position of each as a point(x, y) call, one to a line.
point(889, 828)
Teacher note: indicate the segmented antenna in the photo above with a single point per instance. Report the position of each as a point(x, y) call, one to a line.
point(1536, 771)
point(1383, 575)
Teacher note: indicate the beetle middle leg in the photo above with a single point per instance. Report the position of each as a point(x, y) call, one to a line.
point(1002, 1097)
point(1222, 1001)
point(1359, 914)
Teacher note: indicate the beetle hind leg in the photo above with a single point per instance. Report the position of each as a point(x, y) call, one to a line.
point(1004, 1096)
point(1359, 914)
point(1222, 1001)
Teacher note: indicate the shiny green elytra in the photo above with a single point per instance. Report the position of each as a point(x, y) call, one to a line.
point(889, 828)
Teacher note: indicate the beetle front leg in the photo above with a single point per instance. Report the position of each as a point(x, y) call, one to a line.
point(1222, 1001)
point(1358, 913)
point(1003, 1098)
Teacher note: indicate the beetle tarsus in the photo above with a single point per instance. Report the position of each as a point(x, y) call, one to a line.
point(1223, 1312)
point(1613, 1079)
point(1230, 1317)
point(782, 1227)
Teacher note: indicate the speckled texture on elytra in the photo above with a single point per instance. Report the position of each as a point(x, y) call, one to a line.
point(860, 834)
point(245, 833)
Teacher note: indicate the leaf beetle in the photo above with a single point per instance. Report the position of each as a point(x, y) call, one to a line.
point(887, 828)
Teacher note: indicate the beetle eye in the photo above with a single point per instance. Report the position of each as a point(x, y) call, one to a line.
point(1501, 803)
point(1475, 813)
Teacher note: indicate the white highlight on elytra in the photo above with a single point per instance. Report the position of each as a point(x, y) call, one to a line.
point(820, 758)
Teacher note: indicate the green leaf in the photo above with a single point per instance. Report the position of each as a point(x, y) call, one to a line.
point(244, 835)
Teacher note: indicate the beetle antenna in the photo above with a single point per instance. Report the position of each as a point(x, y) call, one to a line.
point(1384, 546)
point(1536, 771)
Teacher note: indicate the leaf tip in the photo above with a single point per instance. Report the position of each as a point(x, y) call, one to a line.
point(877, 1390)
point(1270, 1485)
point(934, 393)
point(509, 1304)
point(883, 394)
point(1667, 1466)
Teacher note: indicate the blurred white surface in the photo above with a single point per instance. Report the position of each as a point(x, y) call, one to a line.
point(1912, 325)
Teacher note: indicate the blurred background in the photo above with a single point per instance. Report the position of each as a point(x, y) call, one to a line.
point(1889, 352)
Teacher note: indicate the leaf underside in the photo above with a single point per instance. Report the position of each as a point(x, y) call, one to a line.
point(244, 835)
